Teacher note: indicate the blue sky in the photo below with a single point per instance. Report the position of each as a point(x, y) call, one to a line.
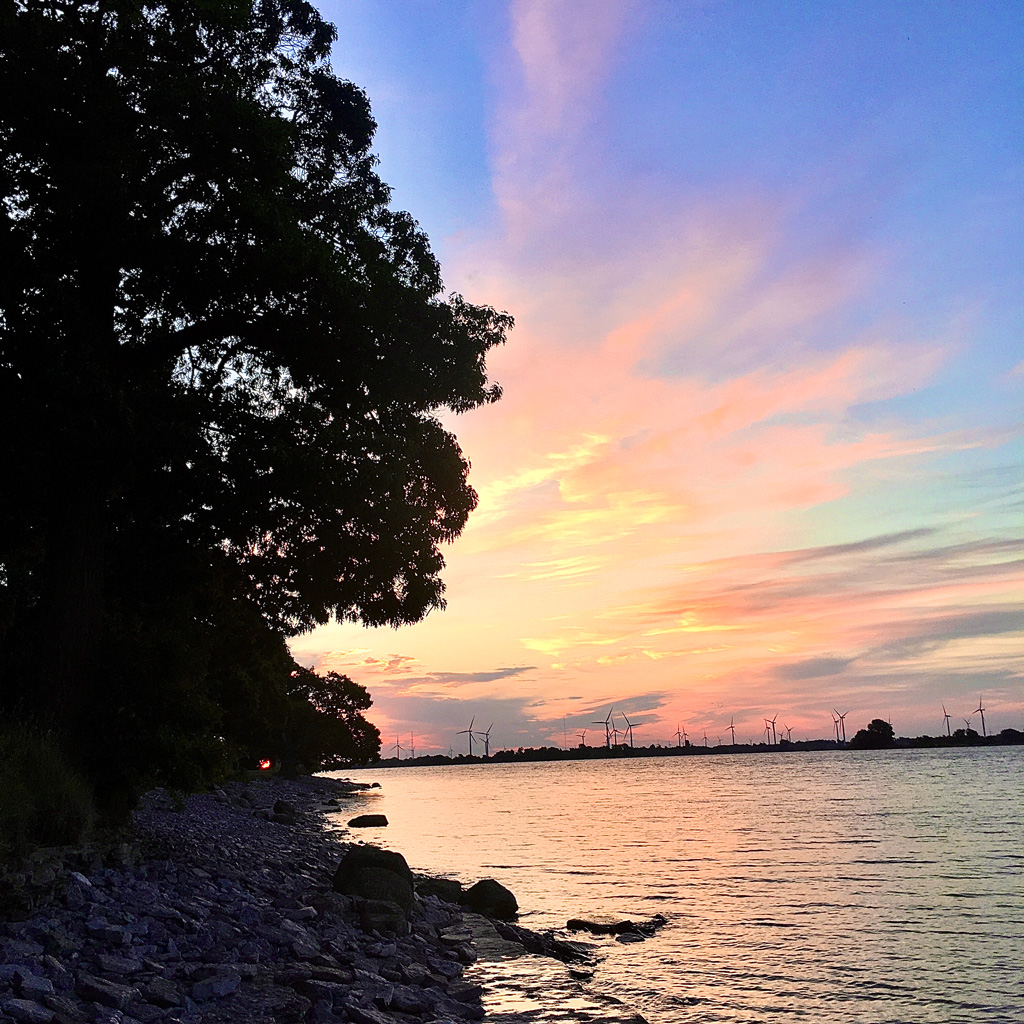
point(765, 262)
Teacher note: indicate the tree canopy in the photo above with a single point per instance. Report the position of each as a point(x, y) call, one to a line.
point(223, 356)
point(877, 736)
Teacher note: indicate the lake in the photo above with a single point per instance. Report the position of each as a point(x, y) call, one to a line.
point(829, 886)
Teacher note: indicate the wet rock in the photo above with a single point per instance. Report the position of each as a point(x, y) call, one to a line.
point(368, 821)
point(493, 899)
point(447, 889)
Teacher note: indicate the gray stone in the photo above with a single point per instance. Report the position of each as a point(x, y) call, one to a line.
point(109, 993)
point(67, 1011)
point(465, 992)
point(28, 1011)
point(109, 964)
point(217, 987)
point(162, 992)
point(365, 1015)
point(382, 916)
point(31, 986)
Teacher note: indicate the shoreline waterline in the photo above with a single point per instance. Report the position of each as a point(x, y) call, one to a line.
point(223, 910)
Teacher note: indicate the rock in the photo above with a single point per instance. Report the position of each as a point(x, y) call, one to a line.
point(283, 807)
point(109, 993)
point(368, 821)
point(217, 987)
point(447, 889)
point(363, 1015)
point(28, 1011)
point(375, 874)
point(493, 899)
point(611, 926)
point(629, 937)
point(465, 992)
point(382, 916)
point(604, 926)
point(32, 987)
point(162, 992)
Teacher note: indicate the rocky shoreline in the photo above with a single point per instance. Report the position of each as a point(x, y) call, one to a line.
point(223, 910)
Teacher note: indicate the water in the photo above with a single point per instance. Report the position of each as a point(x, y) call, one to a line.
point(824, 887)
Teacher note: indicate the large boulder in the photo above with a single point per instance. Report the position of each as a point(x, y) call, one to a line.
point(447, 889)
point(375, 874)
point(368, 821)
point(493, 899)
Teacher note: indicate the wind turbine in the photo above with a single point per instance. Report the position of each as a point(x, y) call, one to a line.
point(679, 736)
point(398, 747)
point(775, 738)
point(945, 718)
point(967, 722)
point(468, 732)
point(615, 733)
point(768, 732)
point(981, 711)
point(583, 738)
point(789, 733)
point(487, 740)
point(705, 737)
point(732, 729)
point(835, 722)
point(412, 744)
point(629, 728)
point(842, 723)
point(607, 727)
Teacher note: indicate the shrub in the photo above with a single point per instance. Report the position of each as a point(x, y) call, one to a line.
point(43, 800)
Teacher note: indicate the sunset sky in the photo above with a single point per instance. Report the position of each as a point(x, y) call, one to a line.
point(760, 447)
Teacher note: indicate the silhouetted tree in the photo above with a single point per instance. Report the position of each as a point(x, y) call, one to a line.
point(878, 735)
point(222, 356)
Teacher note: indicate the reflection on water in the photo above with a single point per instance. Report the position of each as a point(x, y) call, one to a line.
point(826, 886)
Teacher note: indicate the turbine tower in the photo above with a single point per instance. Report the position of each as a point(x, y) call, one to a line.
point(732, 729)
point(768, 732)
point(775, 738)
point(487, 740)
point(629, 729)
point(945, 718)
point(842, 723)
point(679, 736)
point(835, 722)
point(398, 748)
point(981, 711)
point(468, 732)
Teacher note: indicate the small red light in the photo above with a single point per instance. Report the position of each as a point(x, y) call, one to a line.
point(265, 764)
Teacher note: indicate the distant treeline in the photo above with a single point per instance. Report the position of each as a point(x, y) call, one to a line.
point(960, 738)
